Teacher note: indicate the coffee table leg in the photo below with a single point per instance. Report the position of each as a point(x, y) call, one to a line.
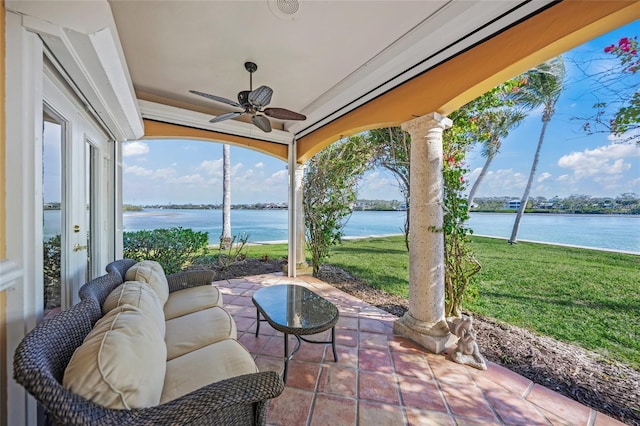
point(286, 357)
point(333, 344)
point(257, 322)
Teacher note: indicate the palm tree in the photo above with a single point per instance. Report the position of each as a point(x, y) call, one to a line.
point(543, 88)
point(225, 238)
point(497, 124)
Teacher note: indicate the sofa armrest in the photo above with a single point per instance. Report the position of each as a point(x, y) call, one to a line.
point(182, 280)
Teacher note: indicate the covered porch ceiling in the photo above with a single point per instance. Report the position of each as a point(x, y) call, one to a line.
point(348, 66)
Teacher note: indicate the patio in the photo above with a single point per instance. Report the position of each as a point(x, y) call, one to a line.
point(384, 379)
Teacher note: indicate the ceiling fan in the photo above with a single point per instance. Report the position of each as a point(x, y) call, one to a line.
point(253, 102)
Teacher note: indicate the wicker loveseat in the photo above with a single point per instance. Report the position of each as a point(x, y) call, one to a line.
point(42, 359)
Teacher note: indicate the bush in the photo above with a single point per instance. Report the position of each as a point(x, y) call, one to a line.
point(173, 248)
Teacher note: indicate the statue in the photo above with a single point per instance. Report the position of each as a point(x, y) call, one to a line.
point(467, 351)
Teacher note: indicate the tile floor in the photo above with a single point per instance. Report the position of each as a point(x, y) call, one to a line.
point(383, 379)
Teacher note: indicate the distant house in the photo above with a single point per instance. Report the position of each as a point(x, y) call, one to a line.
point(512, 205)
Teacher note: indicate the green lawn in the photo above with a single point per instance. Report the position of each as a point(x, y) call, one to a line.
point(587, 297)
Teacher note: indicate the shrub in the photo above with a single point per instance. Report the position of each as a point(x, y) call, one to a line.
point(173, 248)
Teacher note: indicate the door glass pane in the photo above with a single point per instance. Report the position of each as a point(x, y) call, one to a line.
point(53, 214)
point(89, 159)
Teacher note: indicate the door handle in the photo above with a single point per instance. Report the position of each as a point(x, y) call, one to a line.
point(78, 247)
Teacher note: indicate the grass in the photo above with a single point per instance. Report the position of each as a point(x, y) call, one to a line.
point(586, 297)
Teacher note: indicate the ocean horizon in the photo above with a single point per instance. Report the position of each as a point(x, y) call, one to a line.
point(607, 232)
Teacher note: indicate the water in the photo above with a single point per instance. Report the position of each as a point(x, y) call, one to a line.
point(598, 231)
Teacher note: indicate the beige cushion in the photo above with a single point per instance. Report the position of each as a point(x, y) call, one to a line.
point(192, 299)
point(121, 363)
point(193, 331)
point(139, 295)
point(212, 363)
point(150, 272)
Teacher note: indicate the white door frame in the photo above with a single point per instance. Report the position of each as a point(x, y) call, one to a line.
point(21, 270)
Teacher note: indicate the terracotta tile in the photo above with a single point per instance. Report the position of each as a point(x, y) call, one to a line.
point(450, 372)
point(375, 413)
point(346, 322)
point(401, 344)
point(244, 324)
point(514, 410)
point(347, 337)
point(466, 421)
point(416, 417)
point(375, 360)
point(422, 394)
point(379, 387)
point(275, 346)
point(347, 356)
point(244, 284)
point(373, 326)
point(303, 375)
point(308, 351)
point(504, 377)
point(467, 401)
point(412, 365)
point(246, 311)
point(244, 301)
point(292, 407)
point(338, 381)
point(559, 405)
point(333, 410)
point(269, 363)
point(252, 343)
point(604, 420)
point(373, 340)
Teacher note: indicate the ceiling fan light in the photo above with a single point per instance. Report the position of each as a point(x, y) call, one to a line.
point(260, 97)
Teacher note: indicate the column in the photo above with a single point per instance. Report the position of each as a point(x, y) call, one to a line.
point(425, 323)
point(302, 267)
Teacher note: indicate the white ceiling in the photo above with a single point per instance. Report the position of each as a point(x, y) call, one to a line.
point(323, 60)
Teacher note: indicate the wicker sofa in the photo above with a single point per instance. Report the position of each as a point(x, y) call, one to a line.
point(204, 376)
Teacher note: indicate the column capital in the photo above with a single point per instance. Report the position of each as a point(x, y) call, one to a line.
point(427, 121)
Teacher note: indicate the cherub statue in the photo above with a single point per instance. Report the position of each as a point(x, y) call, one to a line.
point(467, 351)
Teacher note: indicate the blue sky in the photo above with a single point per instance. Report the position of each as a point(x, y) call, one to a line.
point(571, 162)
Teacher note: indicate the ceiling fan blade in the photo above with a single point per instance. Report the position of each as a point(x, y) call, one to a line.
point(216, 98)
point(284, 114)
point(226, 116)
point(260, 97)
point(262, 123)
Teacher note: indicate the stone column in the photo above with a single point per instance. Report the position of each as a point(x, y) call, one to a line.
point(425, 323)
point(302, 267)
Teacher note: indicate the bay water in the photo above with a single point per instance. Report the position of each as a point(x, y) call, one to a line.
point(611, 232)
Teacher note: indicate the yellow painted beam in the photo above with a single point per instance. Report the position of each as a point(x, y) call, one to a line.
point(159, 130)
point(452, 84)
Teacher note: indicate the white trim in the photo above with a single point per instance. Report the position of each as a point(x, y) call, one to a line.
point(198, 120)
point(10, 271)
point(98, 71)
point(292, 261)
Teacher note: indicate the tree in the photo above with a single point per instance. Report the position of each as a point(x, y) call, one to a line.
point(392, 148)
point(330, 191)
point(619, 115)
point(543, 88)
point(496, 124)
point(225, 238)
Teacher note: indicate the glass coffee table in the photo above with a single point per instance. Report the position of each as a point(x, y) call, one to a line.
point(296, 310)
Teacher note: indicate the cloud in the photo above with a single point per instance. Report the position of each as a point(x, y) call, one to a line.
point(130, 149)
point(259, 165)
point(544, 176)
point(138, 171)
point(502, 182)
point(604, 160)
point(211, 167)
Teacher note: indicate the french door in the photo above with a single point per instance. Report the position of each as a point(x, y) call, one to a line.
point(76, 159)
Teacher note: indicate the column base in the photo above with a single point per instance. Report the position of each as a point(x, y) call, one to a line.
point(302, 268)
point(434, 337)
